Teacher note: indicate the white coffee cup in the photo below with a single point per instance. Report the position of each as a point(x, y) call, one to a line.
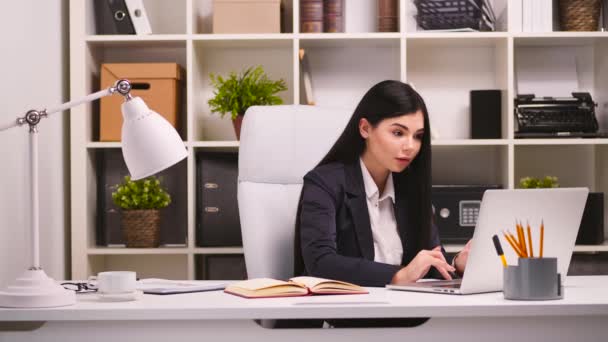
point(115, 282)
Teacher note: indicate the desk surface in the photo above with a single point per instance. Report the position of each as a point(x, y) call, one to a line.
point(583, 296)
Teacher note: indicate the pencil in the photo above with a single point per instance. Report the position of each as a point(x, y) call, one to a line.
point(530, 241)
point(522, 241)
point(499, 251)
point(513, 244)
point(542, 237)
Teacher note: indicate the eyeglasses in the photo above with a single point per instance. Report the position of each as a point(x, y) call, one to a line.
point(80, 287)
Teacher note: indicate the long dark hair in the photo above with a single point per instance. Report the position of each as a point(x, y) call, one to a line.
point(384, 100)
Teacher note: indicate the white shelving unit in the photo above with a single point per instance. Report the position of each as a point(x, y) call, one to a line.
point(443, 66)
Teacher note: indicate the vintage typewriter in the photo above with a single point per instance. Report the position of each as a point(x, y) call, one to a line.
point(556, 116)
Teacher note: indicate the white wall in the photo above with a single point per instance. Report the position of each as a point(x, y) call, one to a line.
point(34, 70)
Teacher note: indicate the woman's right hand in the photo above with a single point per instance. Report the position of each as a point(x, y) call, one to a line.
point(420, 265)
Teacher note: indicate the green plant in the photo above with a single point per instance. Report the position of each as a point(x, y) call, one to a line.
point(238, 92)
point(140, 194)
point(533, 182)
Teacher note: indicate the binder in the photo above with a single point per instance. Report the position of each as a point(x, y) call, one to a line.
point(218, 221)
point(112, 17)
point(221, 267)
point(139, 16)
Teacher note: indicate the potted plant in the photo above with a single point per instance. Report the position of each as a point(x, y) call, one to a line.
point(235, 94)
point(141, 201)
point(533, 182)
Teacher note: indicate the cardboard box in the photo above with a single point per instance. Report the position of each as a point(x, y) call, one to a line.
point(246, 16)
point(158, 84)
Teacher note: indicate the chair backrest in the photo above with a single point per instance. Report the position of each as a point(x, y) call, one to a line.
point(279, 145)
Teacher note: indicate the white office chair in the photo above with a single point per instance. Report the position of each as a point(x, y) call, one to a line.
point(279, 145)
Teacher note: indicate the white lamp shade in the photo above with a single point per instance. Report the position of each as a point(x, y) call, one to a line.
point(149, 143)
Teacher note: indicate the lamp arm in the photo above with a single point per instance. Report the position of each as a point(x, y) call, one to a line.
point(32, 117)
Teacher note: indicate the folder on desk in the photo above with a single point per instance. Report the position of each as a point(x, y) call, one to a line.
point(165, 286)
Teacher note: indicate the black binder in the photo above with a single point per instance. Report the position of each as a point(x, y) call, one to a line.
point(112, 17)
point(111, 170)
point(217, 209)
point(221, 267)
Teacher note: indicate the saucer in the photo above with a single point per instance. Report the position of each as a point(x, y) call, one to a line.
point(119, 297)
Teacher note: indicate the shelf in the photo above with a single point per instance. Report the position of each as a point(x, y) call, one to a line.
point(559, 38)
point(215, 144)
point(469, 142)
point(558, 141)
point(136, 38)
point(344, 40)
point(138, 251)
point(243, 40)
point(218, 250)
point(443, 66)
point(592, 248)
point(470, 39)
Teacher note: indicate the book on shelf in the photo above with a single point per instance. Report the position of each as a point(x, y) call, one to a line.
point(294, 287)
point(333, 16)
point(388, 16)
point(311, 16)
point(306, 78)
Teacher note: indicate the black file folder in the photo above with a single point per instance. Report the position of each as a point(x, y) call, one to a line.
point(217, 209)
point(112, 17)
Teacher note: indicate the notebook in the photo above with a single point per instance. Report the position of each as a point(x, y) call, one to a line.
point(561, 211)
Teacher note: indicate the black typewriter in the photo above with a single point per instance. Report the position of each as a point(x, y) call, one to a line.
point(555, 115)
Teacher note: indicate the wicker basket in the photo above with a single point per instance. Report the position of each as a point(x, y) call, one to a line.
point(141, 228)
point(579, 15)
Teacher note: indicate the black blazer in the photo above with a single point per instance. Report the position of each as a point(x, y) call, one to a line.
point(333, 233)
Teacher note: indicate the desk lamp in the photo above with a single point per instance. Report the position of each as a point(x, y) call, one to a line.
point(149, 145)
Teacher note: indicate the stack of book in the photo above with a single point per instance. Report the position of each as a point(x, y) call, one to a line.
point(321, 16)
point(537, 15)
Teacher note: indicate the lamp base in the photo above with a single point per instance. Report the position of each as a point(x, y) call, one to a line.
point(34, 289)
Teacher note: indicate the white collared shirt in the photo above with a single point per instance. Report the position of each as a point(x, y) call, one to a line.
point(387, 243)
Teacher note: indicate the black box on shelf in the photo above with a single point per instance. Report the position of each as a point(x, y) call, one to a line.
point(588, 264)
point(591, 231)
point(485, 108)
point(221, 267)
point(217, 211)
point(111, 170)
point(456, 208)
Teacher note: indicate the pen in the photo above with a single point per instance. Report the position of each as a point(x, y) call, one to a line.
point(499, 251)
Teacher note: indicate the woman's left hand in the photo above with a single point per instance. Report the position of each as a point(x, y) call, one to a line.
point(461, 258)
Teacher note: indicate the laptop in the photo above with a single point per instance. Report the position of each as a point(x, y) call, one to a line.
point(561, 211)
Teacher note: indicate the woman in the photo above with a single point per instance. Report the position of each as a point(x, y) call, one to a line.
point(365, 211)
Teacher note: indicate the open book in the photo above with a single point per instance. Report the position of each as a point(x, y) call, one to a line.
point(298, 286)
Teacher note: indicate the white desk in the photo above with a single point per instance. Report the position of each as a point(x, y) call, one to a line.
point(582, 316)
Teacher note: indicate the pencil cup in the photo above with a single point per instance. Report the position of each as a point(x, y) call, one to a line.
point(533, 279)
